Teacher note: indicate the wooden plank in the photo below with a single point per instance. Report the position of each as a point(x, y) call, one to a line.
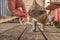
point(7, 26)
point(12, 34)
point(51, 29)
point(53, 36)
point(52, 33)
point(30, 35)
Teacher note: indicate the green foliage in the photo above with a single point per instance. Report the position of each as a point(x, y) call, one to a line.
point(55, 24)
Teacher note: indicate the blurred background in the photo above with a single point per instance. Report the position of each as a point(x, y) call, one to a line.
point(4, 12)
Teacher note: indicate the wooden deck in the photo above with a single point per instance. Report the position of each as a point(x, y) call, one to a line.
point(15, 31)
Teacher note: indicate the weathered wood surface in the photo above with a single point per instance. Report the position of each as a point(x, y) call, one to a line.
point(30, 35)
point(51, 29)
point(53, 36)
point(52, 33)
point(13, 31)
point(7, 26)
